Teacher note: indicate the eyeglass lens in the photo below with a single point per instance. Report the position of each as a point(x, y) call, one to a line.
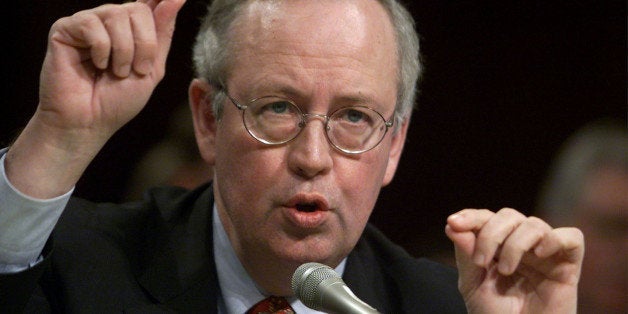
point(273, 120)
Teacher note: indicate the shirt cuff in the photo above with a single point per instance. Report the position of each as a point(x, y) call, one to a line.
point(25, 223)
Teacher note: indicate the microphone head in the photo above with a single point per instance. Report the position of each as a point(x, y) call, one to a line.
point(305, 282)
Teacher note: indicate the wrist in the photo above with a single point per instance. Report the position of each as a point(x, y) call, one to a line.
point(46, 162)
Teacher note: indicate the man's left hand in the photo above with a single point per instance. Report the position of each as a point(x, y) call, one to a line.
point(510, 263)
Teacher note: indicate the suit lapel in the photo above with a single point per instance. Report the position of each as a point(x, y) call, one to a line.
point(181, 274)
point(365, 276)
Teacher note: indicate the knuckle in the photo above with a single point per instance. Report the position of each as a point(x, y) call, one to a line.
point(112, 21)
point(111, 10)
point(536, 227)
point(122, 50)
point(159, 73)
point(489, 237)
point(100, 43)
point(537, 223)
point(58, 24)
point(137, 8)
point(574, 233)
point(465, 211)
point(512, 247)
point(107, 6)
point(146, 45)
point(81, 15)
point(509, 211)
point(106, 14)
point(485, 211)
point(83, 19)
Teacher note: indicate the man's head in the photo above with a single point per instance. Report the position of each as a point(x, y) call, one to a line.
point(588, 188)
point(304, 200)
point(213, 52)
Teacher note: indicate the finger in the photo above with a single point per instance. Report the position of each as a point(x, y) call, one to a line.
point(469, 219)
point(165, 14)
point(557, 256)
point(523, 239)
point(144, 37)
point(118, 25)
point(464, 241)
point(569, 241)
point(469, 274)
point(84, 30)
point(151, 3)
point(494, 233)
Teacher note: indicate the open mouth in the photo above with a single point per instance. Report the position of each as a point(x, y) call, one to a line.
point(307, 207)
point(308, 204)
point(307, 211)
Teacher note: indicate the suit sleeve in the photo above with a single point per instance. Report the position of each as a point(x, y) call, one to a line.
point(18, 290)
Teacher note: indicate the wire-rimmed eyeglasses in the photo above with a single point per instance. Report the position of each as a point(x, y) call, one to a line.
point(274, 120)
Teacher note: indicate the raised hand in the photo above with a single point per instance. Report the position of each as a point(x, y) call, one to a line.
point(100, 69)
point(509, 263)
point(103, 64)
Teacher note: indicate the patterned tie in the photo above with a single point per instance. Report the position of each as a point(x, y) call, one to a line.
point(271, 305)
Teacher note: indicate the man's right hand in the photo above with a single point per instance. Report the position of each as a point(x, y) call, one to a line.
point(100, 69)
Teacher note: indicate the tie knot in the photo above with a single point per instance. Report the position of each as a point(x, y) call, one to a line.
point(272, 305)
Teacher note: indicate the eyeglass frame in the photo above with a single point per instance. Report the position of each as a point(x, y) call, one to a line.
point(303, 120)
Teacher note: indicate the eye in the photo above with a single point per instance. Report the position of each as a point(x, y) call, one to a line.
point(355, 116)
point(277, 107)
point(272, 107)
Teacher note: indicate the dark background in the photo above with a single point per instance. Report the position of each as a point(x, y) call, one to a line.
point(506, 82)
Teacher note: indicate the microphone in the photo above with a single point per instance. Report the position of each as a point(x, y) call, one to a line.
point(319, 287)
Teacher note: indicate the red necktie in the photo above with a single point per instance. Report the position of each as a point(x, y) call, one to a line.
point(271, 305)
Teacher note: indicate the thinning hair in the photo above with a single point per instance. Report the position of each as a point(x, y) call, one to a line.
point(602, 144)
point(212, 51)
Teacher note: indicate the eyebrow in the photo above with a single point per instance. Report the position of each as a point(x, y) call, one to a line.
point(292, 93)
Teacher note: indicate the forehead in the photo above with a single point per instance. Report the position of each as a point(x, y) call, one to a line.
point(348, 40)
point(357, 21)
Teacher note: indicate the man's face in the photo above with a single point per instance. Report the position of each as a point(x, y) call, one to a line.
point(603, 218)
point(305, 201)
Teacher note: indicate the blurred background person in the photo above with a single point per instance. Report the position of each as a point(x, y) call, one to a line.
point(174, 161)
point(587, 187)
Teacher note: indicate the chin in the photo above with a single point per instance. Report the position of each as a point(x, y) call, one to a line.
point(311, 250)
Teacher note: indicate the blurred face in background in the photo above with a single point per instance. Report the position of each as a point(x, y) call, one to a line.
point(603, 218)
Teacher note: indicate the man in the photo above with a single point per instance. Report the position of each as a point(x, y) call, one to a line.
point(588, 187)
point(302, 109)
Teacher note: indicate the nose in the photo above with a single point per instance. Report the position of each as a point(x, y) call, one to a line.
point(309, 153)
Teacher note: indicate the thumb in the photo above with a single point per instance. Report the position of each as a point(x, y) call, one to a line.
point(165, 15)
point(470, 275)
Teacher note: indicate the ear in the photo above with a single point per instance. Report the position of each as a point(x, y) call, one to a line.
point(396, 147)
point(199, 96)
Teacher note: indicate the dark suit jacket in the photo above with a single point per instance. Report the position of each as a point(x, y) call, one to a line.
point(157, 256)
